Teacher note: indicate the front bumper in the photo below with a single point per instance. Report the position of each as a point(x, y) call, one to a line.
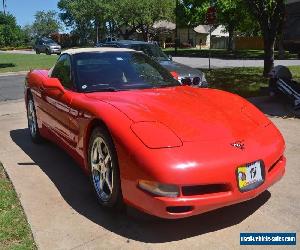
point(188, 166)
point(169, 208)
point(55, 50)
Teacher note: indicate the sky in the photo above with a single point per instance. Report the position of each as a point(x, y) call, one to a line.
point(24, 10)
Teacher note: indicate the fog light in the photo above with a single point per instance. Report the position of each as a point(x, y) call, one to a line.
point(159, 189)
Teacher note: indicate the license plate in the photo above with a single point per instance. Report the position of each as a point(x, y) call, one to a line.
point(250, 176)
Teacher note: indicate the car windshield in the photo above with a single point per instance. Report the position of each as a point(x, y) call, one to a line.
point(114, 71)
point(151, 50)
point(48, 41)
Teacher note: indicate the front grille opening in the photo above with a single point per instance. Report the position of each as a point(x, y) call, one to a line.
point(204, 189)
point(179, 209)
point(274, 165)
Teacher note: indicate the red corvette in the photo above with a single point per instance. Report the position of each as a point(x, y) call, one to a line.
point(169, 150)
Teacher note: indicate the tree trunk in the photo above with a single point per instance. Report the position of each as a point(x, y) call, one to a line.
point(269, 54)
point(230, 38)
point(144, 33)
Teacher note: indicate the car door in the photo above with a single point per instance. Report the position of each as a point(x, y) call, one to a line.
point(56, 103)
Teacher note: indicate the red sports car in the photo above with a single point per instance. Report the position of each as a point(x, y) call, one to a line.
point(169, 150)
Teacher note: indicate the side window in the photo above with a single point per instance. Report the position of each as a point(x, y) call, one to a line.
point(62, 71)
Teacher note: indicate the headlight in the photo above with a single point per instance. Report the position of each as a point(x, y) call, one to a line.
point(159, 189)
point(155, 135)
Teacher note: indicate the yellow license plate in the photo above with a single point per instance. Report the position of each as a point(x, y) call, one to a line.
point(250, 176)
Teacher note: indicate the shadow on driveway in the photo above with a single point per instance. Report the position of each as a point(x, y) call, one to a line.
point(275, 106)
point(75, 189)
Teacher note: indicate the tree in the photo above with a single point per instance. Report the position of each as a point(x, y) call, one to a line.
point(232, 14)
point(28, 34)
point(45, 23)
point(270, 15)
point(10, 32)
point(191, 13)
point(128, 16)
point(84, 17)
point(122, 17)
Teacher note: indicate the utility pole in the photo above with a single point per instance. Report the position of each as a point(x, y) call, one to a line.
point(4, 6)
point(176, 29)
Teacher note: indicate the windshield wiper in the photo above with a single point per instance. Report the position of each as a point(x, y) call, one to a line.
point(109, 89)
point(165, 85)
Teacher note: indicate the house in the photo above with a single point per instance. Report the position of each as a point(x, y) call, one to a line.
point(188, 37)
point(291, 28)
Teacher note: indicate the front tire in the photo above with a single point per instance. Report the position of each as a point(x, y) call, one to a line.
point(104, 169)
point(32, 121)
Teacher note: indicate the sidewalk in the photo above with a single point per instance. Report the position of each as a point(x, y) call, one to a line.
point(224, 63)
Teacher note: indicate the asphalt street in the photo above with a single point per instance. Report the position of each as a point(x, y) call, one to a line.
point(11, 87)
point(63, 213)
point(203, 62)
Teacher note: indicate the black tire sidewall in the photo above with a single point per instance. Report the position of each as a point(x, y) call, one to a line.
point(116, 200)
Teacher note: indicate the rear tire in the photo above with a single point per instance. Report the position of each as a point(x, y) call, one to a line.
point(104, 169)
point(32, 121)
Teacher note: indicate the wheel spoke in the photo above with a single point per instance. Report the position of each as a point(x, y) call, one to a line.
point(96, 167)
point(95, 156)
point(100, 149)
point(108, 183)
point(107, 159)
point(101, 182)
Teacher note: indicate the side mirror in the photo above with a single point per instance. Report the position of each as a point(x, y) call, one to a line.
point(54, 84)
point(170, 57)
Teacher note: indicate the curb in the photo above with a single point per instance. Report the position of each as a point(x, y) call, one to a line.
point(14, 73)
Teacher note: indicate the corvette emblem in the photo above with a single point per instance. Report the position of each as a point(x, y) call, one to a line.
point(238, 144)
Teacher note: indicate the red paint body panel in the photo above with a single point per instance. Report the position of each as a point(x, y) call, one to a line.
point(178, 135)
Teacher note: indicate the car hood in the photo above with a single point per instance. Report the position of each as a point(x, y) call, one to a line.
point(181, 69)
point(192, 114)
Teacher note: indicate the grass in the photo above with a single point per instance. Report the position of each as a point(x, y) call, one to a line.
point(19, 62)
point(246, 82)
point(224, 54)
point(15, 232)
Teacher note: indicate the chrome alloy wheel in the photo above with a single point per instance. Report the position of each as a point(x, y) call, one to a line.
point(31, 116)
point(102, 170)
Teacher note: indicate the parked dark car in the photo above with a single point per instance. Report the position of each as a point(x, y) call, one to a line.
point(47, 45)
point(106, 40)
point(186, 75)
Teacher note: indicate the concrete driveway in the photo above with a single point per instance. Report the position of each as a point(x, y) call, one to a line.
point(64, 214)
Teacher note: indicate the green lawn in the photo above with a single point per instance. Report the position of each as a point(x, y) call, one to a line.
point(224, 54)
point(243, 81)
point(15, 232)
point(19, 62)
point(246, 82)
